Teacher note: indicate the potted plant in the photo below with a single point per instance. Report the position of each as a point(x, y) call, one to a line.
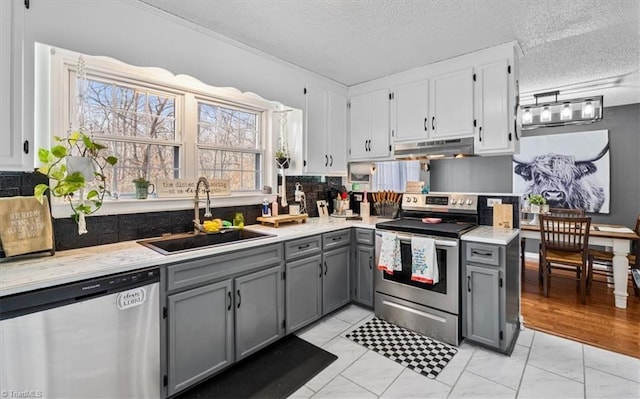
point(536, 201)
point(142, 187)
point(282, 159)
point(71, 163)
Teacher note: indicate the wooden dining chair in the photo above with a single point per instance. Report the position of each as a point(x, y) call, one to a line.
point(565, 245)
point(561, 212)
point(606, 258)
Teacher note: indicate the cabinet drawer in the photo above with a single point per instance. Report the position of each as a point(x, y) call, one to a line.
point(303, 247)
point(483, 253)
point(216, 267)
point(336, 239)
point(365, 236)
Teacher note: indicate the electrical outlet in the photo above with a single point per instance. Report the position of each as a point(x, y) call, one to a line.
point(493, 201)
point(357, 197)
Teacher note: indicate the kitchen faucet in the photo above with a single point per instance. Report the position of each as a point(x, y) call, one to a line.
point(207, 210)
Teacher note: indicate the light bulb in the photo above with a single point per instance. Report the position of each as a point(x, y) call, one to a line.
point(527, 117)
point(545, 116)
point(567, 113)
point(587, 111)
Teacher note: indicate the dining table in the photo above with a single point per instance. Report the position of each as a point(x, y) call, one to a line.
point(618, 237)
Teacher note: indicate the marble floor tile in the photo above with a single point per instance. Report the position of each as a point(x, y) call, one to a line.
point(323, 331)
point(302, 393)
point(557, 355)
point(613, 363)
point(470, 385)
point(525, 337)
point(352, 313)
point(373, 371)
point(410, 384)
point(538, 383)
point(340, 387)
point(603, 385)
point(347, 352)
point(452, 371)
point(505, 370)
point(357, 324)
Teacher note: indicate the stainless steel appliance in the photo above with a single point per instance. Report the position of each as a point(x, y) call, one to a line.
point(97, 338)
point(431, 309)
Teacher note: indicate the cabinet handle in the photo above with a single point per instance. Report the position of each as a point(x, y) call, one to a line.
point(331, 160)
point(334, 239)
point(433, 121)
point(239, 298)
point(229, 295)
point(365, 145)
point(320, 269)
point(478, 253)
point(370, 263)
point(480, 133)
point(303, 247)
point(325, 268)
point(368, 145)
point(326, 160)
point(425, 124)
point(25, 145)
point(468, 283)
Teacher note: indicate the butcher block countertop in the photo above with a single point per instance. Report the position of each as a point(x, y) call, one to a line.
point(37, 271)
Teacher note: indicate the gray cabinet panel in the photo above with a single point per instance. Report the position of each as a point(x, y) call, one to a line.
point(483, 305)
point(336, 239)
point(259, 310)
point(200, 334)
point(303, 247)
point(335, 279)
point(483, 253)
point(364, 275)
point(365, 236)
point(303, 292)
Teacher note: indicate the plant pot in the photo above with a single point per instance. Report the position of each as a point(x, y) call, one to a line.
point(84, 165)
point(535, 208)
point(283, 163)
point(545, 208)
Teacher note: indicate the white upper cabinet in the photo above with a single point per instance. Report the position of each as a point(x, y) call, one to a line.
point(495, 109)
point(15, 145)
point(451, 105)
point(325, 132)
point(410, 111)
point(369, 125)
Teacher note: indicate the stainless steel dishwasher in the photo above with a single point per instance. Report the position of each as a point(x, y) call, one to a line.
point(97, 338)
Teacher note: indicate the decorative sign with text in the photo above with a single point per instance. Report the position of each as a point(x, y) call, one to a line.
point(179, 188)
point(25, 226)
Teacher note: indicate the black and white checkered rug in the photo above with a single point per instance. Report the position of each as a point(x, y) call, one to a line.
point(417, 352)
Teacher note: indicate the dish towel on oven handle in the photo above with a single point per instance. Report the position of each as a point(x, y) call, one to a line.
point(424, 260)
point(390, 253)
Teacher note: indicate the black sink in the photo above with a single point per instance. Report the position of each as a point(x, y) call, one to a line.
point(172, 245)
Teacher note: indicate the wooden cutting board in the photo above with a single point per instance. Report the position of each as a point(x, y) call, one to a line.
point(503, 215)
point(276, 220)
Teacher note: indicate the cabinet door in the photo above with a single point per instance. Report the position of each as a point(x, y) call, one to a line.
point(15, 146)
point(316, 130)
point(379, 127)
point(259, 310)
point(359, 126)
point(335, 279)
point(410, 109)
point(492, 109)
point(364, 279)
point(483, 305)
point(303, 292)
point(337, 133)
point(200, 334)
point(451, 104)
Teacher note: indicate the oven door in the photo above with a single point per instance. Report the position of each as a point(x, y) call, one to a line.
point(441, 296)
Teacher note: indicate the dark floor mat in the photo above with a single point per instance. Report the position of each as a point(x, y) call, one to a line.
point(275, 372)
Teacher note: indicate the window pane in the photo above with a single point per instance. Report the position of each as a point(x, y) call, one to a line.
point(241, 168)
point(227, 127)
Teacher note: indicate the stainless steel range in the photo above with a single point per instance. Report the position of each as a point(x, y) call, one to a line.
point(430, 309)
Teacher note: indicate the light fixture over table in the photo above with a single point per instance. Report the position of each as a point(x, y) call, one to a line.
point(564, 112)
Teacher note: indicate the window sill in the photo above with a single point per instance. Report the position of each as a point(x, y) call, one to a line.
point(132, 205)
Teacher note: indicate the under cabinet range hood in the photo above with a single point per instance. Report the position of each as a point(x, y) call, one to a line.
point(434, 149)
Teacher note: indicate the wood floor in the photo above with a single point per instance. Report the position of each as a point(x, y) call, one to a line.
point(598, 323)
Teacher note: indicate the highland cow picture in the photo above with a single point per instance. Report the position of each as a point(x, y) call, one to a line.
point(570, 170)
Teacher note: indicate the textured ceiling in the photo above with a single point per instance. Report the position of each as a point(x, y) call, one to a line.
point(352, 41)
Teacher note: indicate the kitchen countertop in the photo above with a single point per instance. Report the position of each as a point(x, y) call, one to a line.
point(491, 235)
point(37, 271)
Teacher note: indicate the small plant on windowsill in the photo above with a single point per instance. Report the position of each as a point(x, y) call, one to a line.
point(142, 187)
point(282, 160)
point(536, 201)
point(69, 165)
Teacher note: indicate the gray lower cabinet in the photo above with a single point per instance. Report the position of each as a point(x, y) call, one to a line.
point(491, 299)
point(303, 292)
point(259, 310)
point(200, 334)
point(335, 279)
point(364, 275)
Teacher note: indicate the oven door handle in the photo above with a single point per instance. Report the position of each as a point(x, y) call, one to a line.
point(439, 243)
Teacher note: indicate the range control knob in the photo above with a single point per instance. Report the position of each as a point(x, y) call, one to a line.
point(415, 199)
point(469, 201)
point(408, 199)
point(453, 201)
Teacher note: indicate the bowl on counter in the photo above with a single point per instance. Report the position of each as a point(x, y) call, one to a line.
point(431, 220)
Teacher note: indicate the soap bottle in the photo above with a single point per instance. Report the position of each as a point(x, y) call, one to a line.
point(274, 207)
point(266, 212)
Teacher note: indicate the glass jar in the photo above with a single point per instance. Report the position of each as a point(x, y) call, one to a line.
point(238, 220)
